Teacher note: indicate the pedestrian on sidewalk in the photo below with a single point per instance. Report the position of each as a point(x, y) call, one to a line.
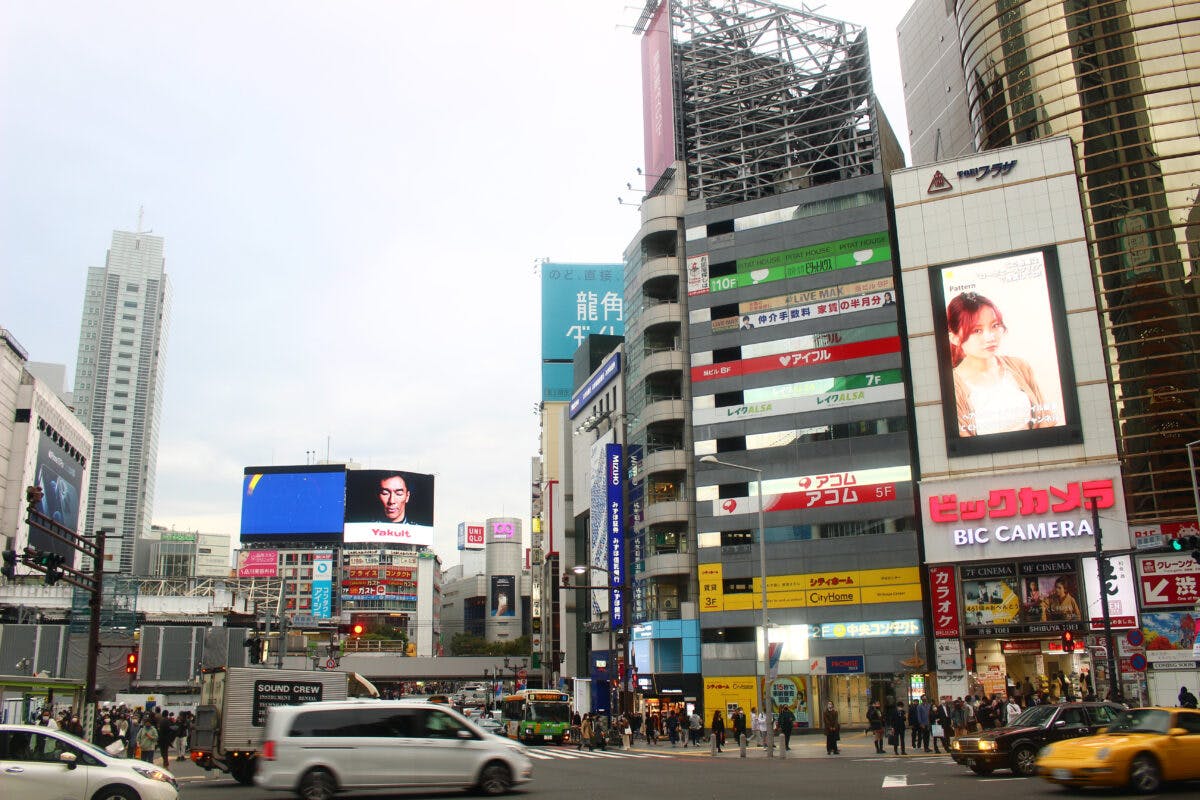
point(718, 729)
point(695, 727)
point(738, 718)
point(897, 718)
point(147, 739)
point(875, 724)
point(787, 721)
point(833, 729)
point(760, 726)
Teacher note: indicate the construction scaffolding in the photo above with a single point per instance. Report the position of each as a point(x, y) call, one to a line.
point(768, 99)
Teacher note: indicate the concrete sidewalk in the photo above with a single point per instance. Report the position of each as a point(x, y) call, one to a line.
point(806, 745)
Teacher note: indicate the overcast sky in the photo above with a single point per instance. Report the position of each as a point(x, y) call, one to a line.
point(353, 196)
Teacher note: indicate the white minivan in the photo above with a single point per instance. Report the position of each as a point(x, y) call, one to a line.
point(319, 749)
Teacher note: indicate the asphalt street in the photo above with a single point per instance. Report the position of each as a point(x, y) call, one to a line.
point(564, 773)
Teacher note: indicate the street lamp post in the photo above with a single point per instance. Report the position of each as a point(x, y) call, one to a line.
point(580, 569)
point(763, 696)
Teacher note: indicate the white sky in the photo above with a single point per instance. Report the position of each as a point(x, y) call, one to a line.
point(353, 196)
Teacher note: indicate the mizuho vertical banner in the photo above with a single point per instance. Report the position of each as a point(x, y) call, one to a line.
point(616, 532)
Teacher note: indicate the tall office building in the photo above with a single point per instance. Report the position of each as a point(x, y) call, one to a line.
point(762, 331)
point(1122, 79)
point(119, 388)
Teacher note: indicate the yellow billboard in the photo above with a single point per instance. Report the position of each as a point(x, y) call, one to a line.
point(809, 590)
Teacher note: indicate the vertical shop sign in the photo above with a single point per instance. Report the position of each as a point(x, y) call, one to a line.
point(944, 595)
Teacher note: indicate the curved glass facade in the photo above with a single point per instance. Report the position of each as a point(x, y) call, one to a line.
point(1122, 79)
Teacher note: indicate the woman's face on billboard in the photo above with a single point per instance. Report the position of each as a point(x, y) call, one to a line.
point(983, 339)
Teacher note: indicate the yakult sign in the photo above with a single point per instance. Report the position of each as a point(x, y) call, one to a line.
point(1022, 514)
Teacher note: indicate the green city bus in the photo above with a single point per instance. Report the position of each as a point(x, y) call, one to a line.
point(537, 715)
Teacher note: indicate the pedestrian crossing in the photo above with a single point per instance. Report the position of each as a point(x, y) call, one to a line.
point(564, 754)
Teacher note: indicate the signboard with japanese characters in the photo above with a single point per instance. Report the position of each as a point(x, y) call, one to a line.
point(943, 595)
point(1168, 580)
point(1025, 514)
point(1118, 585)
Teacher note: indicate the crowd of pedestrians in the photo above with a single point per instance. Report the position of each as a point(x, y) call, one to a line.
point(152, 735)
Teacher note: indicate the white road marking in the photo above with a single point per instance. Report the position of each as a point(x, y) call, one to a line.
point(899, 782)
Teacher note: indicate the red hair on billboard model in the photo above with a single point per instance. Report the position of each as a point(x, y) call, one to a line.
point(993, 393)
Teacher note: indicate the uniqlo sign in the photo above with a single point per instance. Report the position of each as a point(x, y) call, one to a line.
point(943, 593)
point(1168, 580)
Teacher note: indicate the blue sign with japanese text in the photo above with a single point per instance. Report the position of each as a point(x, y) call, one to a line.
point(577, 300)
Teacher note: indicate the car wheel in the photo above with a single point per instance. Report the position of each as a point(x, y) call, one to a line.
point(116, 792)
point(317, 785)
point(495, 779)
point(1024, 762)
point(980, 769)
point(1145, 776)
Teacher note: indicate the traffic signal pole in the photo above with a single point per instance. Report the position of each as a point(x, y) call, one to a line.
point(1114, 680)
point(93, 548)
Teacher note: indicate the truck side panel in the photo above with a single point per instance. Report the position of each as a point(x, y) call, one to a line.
point(250, 692)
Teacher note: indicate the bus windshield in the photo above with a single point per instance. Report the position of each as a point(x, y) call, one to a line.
point(549, 712)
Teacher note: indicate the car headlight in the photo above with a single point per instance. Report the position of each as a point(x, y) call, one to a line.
point(956, 745)
point(1103, 753)
point(984, 745)
point(154, 774)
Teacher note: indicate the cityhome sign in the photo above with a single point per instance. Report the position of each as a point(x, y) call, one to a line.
point(1031, 514)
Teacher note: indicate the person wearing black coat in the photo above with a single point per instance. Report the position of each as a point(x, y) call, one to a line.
point(897, 718)
point(718, 729)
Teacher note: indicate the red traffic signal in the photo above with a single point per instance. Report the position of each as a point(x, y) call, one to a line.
point(131, 662)
point(1068, 642)
point(356, 629)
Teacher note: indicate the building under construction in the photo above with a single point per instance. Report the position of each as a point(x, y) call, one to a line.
point(768, 99)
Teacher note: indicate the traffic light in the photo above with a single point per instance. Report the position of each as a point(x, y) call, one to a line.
point(1185, 544)
point(1108, 576)
point(51, 563)
point(9, 570)
point(1068, 641)
point(131, 662)
point(356, 630)
point(256, 647)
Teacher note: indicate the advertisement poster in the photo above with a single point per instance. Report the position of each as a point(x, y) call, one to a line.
point(1004, 360)
point(258, 563)
point(1050, 592)
point(504, 596)
point(322, 584)
point(1120, 588)
point(389, 506)
point(1170, 635)
point(578, 300)
point(60, 477)
point(990, 599)
point(790, 691)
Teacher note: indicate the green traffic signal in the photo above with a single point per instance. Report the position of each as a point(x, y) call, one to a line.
point(1176, 545)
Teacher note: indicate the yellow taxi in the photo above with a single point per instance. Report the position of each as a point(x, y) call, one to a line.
point(1141, 749)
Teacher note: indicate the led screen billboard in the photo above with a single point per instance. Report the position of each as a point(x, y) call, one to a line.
point(578, 300)
point(504, 596)
point(389, 506)
point(293, 501)
point(60, 477)
point(1005, 360)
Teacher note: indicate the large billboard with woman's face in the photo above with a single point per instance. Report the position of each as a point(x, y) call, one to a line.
point(60, 477)
point(1005, 362)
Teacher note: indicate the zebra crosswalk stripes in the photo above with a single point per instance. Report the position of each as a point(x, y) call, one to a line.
point(569, 755)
